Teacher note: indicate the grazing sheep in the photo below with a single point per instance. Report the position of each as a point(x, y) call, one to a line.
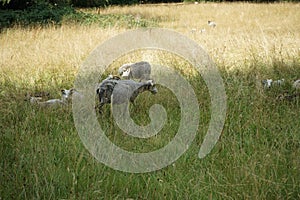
point(105, 89)
point(139, 70)
point(129, 90)
point(122, 91)
point(296, 84)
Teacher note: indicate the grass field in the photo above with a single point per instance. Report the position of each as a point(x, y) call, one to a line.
point(257, 156)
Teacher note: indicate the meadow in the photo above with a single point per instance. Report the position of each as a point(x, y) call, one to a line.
point(257, 156)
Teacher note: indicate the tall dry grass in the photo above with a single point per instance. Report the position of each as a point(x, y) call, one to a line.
point(264, 32)
point(241, 27)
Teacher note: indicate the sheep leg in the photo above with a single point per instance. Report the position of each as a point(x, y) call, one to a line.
point(100, 108)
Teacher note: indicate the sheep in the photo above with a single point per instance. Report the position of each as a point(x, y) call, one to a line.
point(278, 82)
point(211, 24)
point(296, 84)
point(66, 95)
point(105, 89)
point(140, 70)
point(269, 83)
point(48, 103)
point(122, 91)
point(65, 98)
point(110, 77)
point(34, 100)
point(129, 90)
point(38, 95)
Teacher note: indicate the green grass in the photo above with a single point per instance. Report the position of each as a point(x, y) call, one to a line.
point(257, 156)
